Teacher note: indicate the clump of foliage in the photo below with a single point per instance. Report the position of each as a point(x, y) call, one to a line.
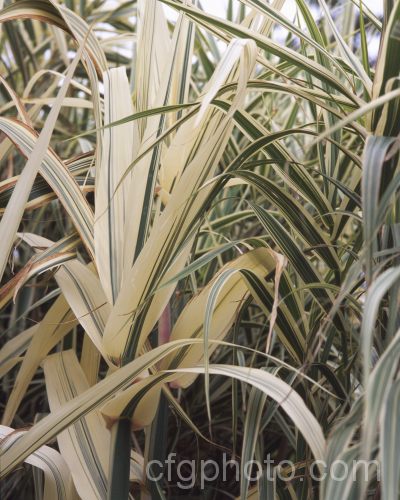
point(199, 246)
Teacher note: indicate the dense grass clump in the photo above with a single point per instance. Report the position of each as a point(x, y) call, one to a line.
point(199, 250)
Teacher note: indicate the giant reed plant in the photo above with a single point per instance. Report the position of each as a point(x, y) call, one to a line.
point(199, 247)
